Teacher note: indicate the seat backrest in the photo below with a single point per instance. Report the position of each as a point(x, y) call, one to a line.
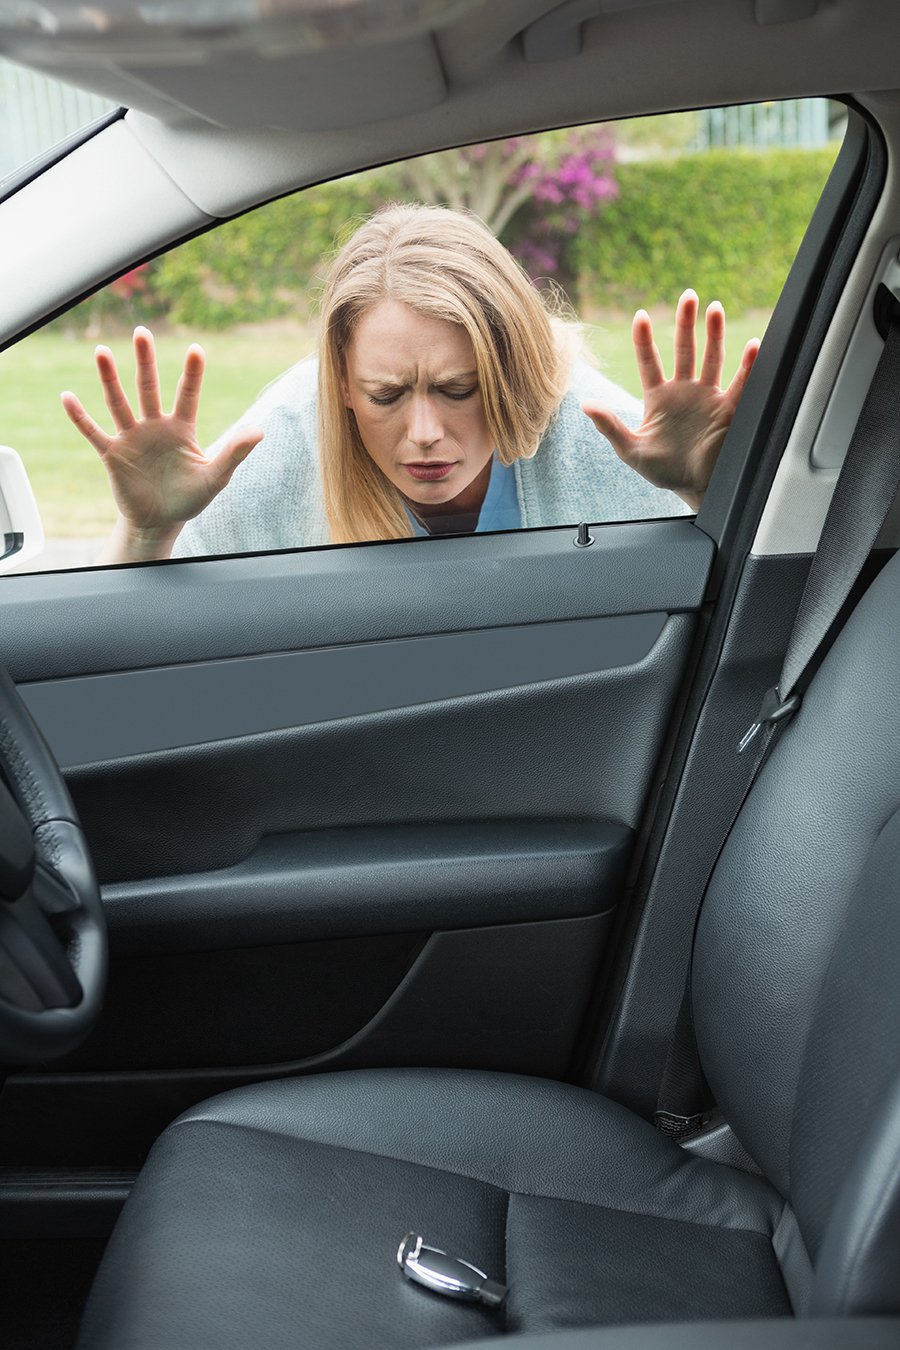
point(796, 976)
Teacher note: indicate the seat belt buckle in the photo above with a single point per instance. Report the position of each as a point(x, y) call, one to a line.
point(447, 1275)
point(679, 1127)
point(773, 708)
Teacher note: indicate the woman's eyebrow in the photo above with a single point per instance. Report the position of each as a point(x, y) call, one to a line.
point(462, 377)
point(401, 382)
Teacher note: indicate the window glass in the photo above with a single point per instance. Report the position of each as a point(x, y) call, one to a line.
point(37, 113)
point(447, 392)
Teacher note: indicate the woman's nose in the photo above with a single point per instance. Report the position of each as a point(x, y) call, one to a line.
point(424, 423)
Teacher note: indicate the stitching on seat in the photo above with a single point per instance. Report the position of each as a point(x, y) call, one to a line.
point(455, 1171)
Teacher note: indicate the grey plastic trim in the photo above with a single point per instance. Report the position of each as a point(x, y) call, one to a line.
point(89, 217)
point(557, 36)
point(800, 492)
point(405, 78)
point(352, 882)
point(852, 381)
point(105, 619)
point(62, 1202)
point(104, 717)
point(34, 168)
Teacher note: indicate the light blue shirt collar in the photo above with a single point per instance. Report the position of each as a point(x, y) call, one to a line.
point(500, 508)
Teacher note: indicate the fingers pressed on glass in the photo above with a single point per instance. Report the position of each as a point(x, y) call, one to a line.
point(113, 394)
point(146, 373)
point(736, 388)
point(232, 455)
point(80, 419)
point(620, 436)
point(714, 351)
point(685, 343)
point(187, 395)
point(646, 352)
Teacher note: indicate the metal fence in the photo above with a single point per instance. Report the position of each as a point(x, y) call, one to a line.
point(37, 112)
point(804, 123)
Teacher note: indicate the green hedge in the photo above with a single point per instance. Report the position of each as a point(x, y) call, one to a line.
point(266, 263)
point(726, 222)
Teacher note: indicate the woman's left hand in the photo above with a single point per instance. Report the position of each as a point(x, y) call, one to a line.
point(685, 418)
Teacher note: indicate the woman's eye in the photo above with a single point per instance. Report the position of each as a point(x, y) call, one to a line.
point(385, 400)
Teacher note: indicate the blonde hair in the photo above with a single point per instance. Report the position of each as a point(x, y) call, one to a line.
point(447, 265)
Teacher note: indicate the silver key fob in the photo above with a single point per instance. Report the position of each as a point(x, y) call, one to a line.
point(447, 1275)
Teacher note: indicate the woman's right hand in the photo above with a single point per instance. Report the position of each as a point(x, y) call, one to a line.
point(159, 476)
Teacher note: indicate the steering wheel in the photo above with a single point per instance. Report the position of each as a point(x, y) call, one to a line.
point(52, 926)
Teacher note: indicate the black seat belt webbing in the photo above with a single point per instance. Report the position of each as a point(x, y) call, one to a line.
point(868, 482)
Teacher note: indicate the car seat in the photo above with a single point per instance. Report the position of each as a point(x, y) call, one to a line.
point(271, 1216)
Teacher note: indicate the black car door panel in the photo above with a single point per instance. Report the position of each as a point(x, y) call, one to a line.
point(377, 879)
point(58, 624)
point(348, 807)
point(92, 717)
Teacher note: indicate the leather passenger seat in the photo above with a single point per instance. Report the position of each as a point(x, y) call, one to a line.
point(270, 1217)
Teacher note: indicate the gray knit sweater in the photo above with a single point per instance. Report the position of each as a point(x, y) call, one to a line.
point(274, 499)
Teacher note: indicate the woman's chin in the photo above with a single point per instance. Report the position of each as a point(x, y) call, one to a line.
point(457, 487)
point(435, 493)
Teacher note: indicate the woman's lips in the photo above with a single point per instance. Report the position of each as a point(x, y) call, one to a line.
point(429, 473)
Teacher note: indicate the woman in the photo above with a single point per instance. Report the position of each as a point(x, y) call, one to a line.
point(446, 398)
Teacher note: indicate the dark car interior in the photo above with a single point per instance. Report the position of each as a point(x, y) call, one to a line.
point(418, 890)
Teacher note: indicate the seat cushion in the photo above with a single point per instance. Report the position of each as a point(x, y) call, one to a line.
point(271, 1216)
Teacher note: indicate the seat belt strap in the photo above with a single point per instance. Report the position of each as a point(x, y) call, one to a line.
point(865, 489)
point(868, 482)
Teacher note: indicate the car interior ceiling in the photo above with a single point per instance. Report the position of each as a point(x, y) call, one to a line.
point(487, 1071)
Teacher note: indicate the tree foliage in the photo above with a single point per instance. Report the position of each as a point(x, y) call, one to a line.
point(614, 235)
point(726, 222)
point(533, 192)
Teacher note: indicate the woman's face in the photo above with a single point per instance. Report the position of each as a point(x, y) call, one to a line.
point(412, 384)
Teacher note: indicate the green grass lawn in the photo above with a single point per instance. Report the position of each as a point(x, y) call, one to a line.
point(68, 479)
point(609, 338)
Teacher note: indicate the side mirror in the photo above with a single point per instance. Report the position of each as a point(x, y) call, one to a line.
point(21, 531)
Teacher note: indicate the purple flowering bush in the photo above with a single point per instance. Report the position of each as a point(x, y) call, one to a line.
point(567, 186)
point(534, 192)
